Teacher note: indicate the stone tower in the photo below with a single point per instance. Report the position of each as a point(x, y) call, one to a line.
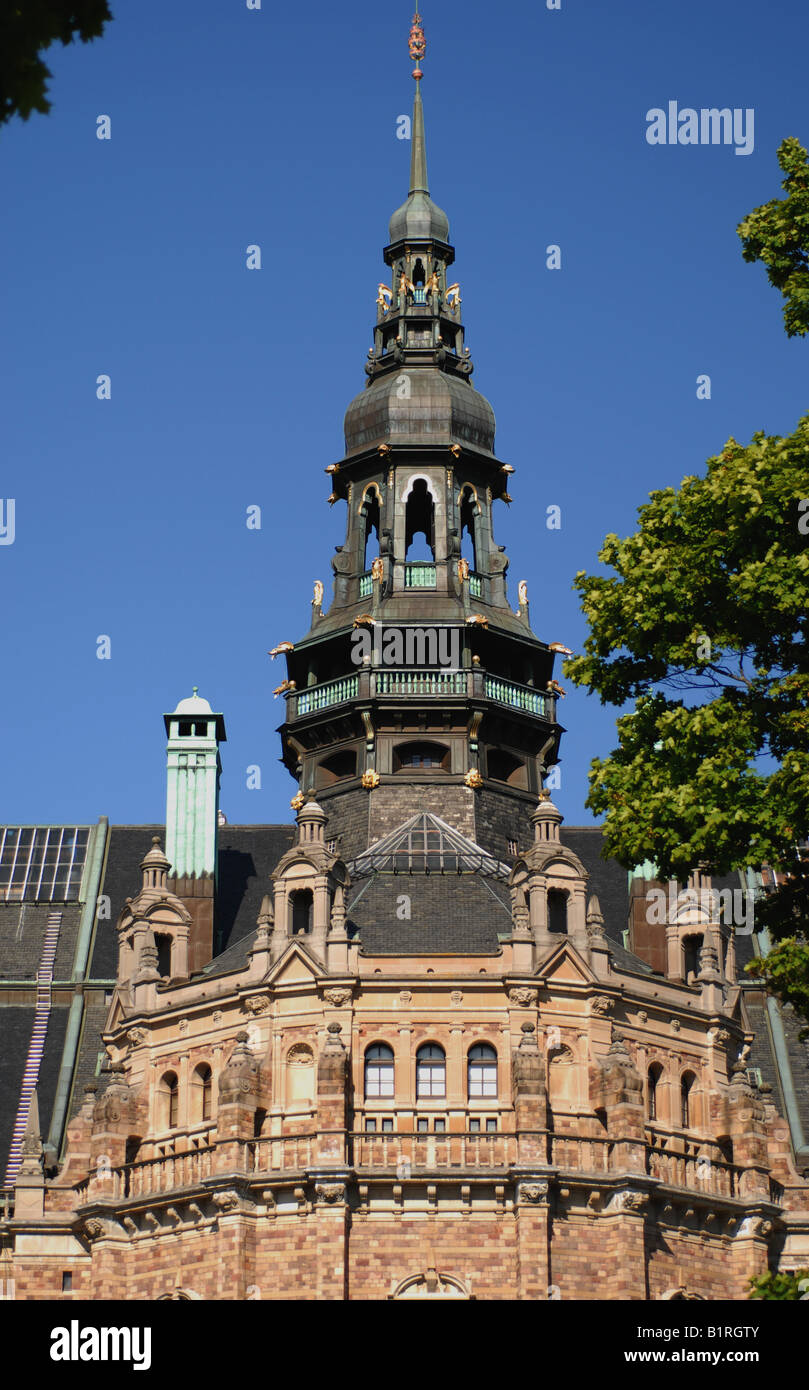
point(420, 687)
point(192, 815)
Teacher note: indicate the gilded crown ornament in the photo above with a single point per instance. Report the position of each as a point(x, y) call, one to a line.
point(417, 45)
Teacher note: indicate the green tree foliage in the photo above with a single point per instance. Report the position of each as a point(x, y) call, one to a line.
point(781, 1287)
point(703, 623)
point(777, 234)
point(26, 28)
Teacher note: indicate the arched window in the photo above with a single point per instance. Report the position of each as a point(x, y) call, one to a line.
point(202, 1083)
point(338, 766)
point(655, 1073)
point(431, 1071)
point(686, 1099)
point(692, 945)
point(131, 1150)
point(469, 511)
point(163, 943)
point(378, 1071)
point(557, 911)
point(170, 1100)
point(300, 909)
point(418, 273)
point(482, 1071)
point(369, 512)
point(504, 767)
point(421, 756)
point(420, 520)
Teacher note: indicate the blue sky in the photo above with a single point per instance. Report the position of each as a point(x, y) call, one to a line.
point(278, 127)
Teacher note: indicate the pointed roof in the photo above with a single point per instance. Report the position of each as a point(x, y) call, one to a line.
point(419, 219)
point(426, 844)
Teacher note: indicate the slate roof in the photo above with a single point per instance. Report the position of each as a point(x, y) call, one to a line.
point(457, 914)
point(16, 1023)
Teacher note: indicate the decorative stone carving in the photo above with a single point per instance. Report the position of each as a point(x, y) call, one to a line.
point(456, 997)
point(337, 996)
point(135, 1036)
point(405, 996)
point(226, 1201)
point(533, 1192)
point(370, 780)
point(330, 1193)
point(217, 1016)
point(256, 1004)
point(298, 801)
point(523, 996)
point(627, 1200)
point(182, 1026)
point(473, 779)
point(602, 1004)
point(241, 1074)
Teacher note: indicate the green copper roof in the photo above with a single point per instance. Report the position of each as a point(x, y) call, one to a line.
point(419, 219)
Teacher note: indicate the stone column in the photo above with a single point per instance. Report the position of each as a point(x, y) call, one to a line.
point(531, 1209)
point(530, 1102)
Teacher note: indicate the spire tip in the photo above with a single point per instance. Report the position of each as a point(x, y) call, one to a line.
point(417, 45)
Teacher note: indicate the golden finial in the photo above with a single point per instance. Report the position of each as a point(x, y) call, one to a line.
point(417, 45)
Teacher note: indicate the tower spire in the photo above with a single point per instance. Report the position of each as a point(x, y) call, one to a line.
point(418, 147)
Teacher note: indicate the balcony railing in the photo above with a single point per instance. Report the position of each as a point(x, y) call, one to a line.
point(317, 697)
point(410, 1154)
point(421, 576)
point(434, 683)
point(433, 1152)
point(475, 585)
point(431, 682)
point(366, 584)
point(523, 697)
point(697, 1174)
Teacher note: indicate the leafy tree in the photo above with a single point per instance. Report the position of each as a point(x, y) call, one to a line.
point(704, 624)
point(26, 28)
point(785, 1287)
point(777, 234)
point(709, 602)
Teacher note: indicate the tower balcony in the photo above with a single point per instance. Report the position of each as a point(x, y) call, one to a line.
point(407, 1154)
point(442, 683)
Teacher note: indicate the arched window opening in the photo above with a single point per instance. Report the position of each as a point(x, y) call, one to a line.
point(692, 945)
point(482, 1072)
point(335, 768)
point(431, 1071)
point(369, 513)
point(258, 1123)
point(557, 911)
point(379, 1072)
point(687, 1099)
point(163, 944)
point(419, 276)
point(203, 1090)
point(505, 767)
point(301, 901)
point(421, 756)
point(655, 1073)
point(170, 1087)
point(469, 510)
point(131, 1151)
point(420, 521)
